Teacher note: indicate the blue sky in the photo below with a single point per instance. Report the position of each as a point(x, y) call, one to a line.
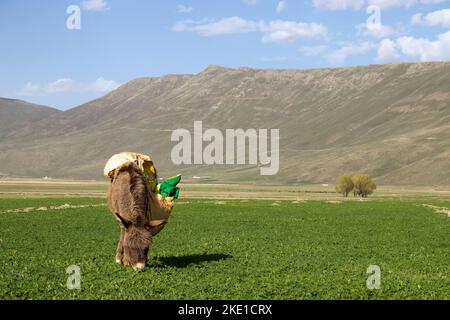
point(45, 62)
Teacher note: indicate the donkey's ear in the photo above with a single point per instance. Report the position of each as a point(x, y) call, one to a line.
point(122, 221)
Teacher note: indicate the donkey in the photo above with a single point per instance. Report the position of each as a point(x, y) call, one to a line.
point(128, 200)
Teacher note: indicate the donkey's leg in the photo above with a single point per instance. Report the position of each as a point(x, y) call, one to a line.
point(119, 251)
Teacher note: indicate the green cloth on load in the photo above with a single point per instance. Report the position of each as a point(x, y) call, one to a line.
point(168, 188)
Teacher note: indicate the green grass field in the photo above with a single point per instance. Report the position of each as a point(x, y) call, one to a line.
point(234, 249)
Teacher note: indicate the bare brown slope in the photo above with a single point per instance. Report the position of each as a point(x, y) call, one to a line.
point(16, 115)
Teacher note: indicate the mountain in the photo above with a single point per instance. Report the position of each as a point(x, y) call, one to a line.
point(391, 121)
point(16, 114)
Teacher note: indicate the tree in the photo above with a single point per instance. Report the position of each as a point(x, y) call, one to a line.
point(344, 185)
point(363, 185)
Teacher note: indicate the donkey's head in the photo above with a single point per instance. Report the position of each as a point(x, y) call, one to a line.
point(136, 242)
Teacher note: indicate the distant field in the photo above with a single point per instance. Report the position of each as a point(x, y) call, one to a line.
point(229, 249)
point(65, 188)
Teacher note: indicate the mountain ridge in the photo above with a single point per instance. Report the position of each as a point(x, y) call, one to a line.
point(387, 120)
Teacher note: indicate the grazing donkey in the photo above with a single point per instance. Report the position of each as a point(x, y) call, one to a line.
point(128, 199)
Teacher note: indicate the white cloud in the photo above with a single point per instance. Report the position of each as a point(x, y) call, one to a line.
point(181, 8)
point(275, 59)
point(338, 4)
point(66, 85)
point(274, 31)
point(94, 5)
point(102, 86)
point(392, 3)
point(387, 50)
point(425, 50)
point(282, 5)
point(214, 28)
point(374, 30)
point(340, 56)
point(359, 4)
point(290, 31)
point(436, 18)
point(313, 51)
point(29, 89)
point(402, 3)
point(41, 90)
point(417, 19)
point(416, 49)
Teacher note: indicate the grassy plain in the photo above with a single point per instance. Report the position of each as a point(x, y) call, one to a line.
point(238, 242)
